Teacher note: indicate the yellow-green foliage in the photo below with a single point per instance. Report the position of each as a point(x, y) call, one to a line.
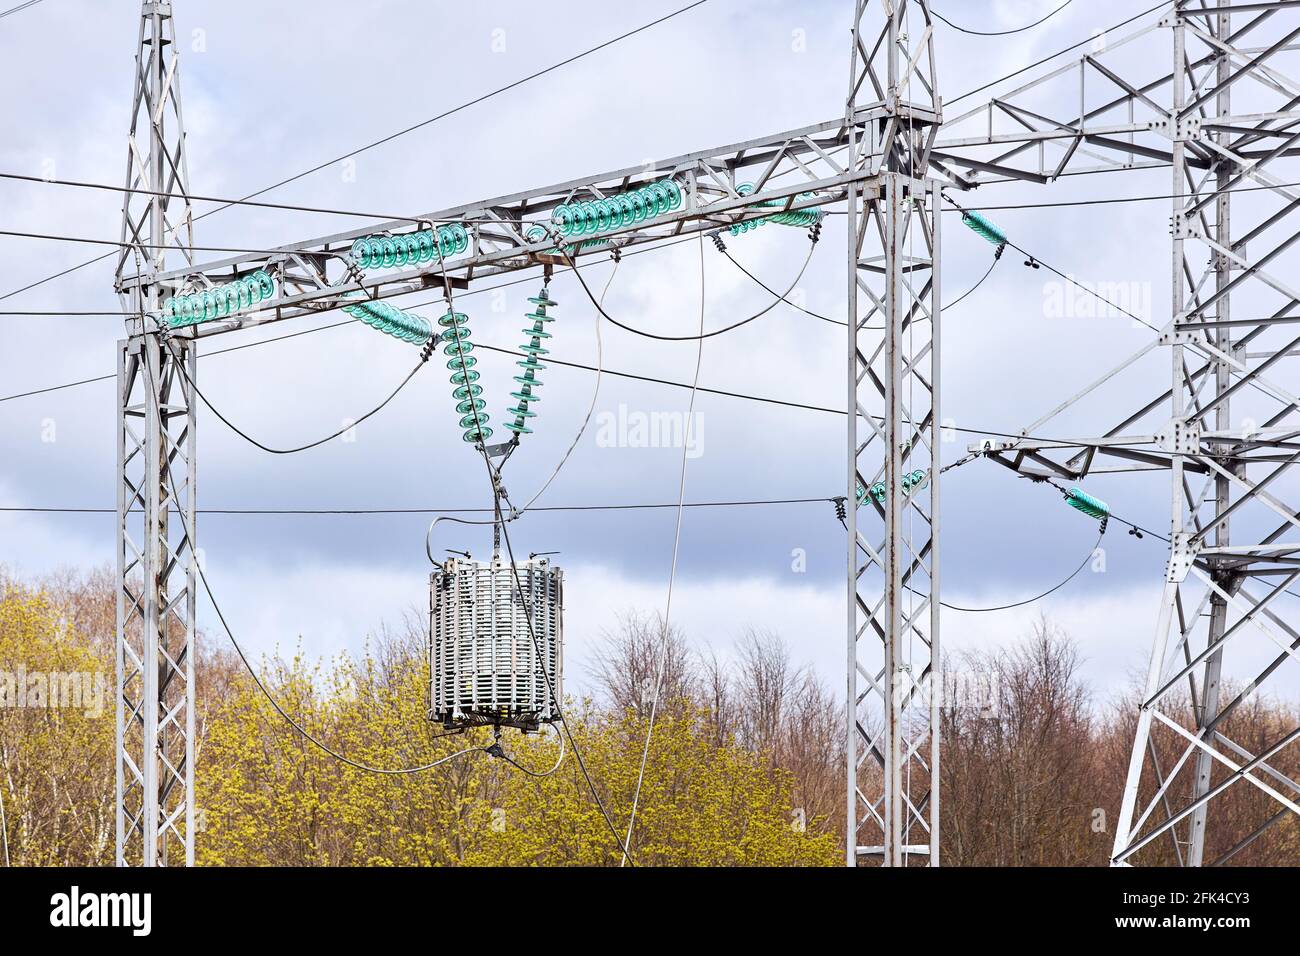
point(266, 796)
point(56, 762)
point(270, 797)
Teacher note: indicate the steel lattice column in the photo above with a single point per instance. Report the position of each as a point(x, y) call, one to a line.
point(893, 480)
point(155, 550)
point(1219, 596)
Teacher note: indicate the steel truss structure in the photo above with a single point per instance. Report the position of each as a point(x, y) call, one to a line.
point(893, 390)
point(1225, 430)
point(156, 474)
point(885, 160)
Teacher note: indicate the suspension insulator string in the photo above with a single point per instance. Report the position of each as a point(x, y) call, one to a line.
point(1093, 507)
point(464, 377)
point(379, 315)
point(529, 381)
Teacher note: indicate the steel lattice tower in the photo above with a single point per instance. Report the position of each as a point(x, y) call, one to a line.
point(155, 498)
point(893, 392)
point(1230, 561)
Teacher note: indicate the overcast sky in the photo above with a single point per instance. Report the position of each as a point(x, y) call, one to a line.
point(273, 89)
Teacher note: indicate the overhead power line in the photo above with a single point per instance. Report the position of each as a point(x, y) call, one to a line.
point(392, 136)
point(1001, 33)
point(191, 197)
point(21, 6)
point(1052, 56)
point(633, 506)
point(1114, 200)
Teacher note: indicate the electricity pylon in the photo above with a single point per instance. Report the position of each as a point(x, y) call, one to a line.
point(893, 396)
point(155, 450)
point(886, 159)
point(1225, 429)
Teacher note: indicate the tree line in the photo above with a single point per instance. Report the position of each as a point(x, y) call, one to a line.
point(745, 768)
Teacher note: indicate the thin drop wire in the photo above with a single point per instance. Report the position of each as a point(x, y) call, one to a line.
point(577, 754)
point(661, 664)
point(4, 827)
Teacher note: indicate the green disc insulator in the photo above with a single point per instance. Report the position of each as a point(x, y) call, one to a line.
point(984, 228)
point(1082, 501)
point(563, 218)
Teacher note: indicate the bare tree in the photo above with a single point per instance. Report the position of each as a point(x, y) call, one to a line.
point(628, 664)
point(717, 697)
point(1020, 770)
point(767, 681)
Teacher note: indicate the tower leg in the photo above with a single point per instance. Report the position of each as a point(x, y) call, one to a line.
point(893, 457)
point(155, 503)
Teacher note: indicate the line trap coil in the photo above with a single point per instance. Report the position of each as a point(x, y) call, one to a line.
point(484, 667)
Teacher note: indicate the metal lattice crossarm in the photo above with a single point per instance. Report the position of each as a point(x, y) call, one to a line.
point(797, 169)
point(1123, 120)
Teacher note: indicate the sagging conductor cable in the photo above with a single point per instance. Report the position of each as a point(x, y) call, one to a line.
point(825, 318)
point(164, 332)
point(814, 233)
point(261, 686)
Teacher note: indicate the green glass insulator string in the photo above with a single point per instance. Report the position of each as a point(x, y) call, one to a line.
point(794, 217)
point(879, 493)
point(529, 381)
point(464, 377)
point(219, 301)
point(414, 248)
point(404, 326)
point(984, 228)
point(614, 212)
point(1080, 500)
